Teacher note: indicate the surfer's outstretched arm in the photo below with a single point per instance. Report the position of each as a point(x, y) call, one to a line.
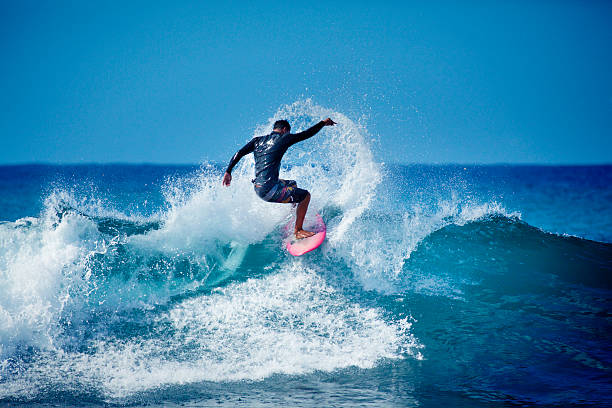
point(298, 137)
point(246, 149)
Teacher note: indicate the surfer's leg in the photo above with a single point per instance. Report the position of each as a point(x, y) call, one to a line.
point(300, 213)
point(287, 191)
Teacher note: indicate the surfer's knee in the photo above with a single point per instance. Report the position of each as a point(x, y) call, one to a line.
point(300, 195)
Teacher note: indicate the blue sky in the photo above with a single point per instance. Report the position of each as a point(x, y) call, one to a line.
point(186, 82)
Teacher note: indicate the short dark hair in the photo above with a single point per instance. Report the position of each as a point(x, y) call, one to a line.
point(279, 124)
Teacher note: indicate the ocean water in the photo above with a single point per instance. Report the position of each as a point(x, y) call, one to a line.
point(467, 286)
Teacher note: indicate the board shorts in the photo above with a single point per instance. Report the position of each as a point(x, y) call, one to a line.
point(285, 191)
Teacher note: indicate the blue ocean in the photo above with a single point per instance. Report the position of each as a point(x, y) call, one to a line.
point(437, 285)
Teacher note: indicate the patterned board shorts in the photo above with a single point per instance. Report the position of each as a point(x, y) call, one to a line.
point(285, 191)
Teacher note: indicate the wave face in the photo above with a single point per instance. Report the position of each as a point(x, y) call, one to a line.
point(157, 285)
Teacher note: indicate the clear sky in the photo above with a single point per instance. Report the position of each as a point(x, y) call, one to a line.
point(186, 82)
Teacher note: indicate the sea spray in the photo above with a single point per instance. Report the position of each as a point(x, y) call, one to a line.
point(155, 299)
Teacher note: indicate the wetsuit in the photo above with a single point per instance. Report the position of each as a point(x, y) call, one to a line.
point(268, 151)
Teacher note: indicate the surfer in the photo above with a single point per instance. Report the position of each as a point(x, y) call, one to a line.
point(268, 151)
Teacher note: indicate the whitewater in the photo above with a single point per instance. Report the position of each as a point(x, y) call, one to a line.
point(156, 285)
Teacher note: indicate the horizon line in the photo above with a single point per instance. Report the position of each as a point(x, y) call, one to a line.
point(162, 164)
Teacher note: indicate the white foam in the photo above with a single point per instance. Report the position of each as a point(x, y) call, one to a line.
point(66, 198)
point(291, 322)
point(41, 268)
point(208, 213)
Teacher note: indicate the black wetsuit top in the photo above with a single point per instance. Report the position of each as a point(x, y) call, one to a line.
point(268, 151)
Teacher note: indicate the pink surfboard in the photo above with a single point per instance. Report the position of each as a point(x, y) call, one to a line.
point(297, 247)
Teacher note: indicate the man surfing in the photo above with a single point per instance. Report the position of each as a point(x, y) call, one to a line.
point(268, 151)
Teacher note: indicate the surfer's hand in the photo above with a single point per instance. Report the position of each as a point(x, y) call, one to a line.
point(329, 122)
point(227, 179)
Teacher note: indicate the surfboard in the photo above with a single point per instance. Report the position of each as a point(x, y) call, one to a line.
point(298, 247)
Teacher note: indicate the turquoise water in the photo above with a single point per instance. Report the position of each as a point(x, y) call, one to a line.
point(475, 286)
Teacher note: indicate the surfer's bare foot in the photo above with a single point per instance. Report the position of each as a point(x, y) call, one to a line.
point(301, 234)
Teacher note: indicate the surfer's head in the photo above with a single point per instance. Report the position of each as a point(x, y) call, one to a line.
point(281, 126)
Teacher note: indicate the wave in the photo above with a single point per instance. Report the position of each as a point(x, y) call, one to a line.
point(291, 322)
point(202, 289)
point(93, 298)
point(495, 249)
